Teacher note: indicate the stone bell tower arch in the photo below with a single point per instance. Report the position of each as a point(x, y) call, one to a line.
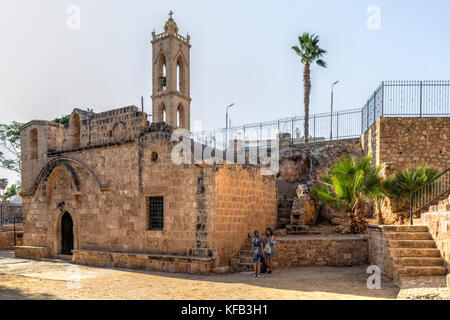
point(171, 77)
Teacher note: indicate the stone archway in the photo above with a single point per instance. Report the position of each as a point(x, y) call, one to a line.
point(67, 234)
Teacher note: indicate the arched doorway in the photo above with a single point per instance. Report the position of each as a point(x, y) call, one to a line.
point(66, 234)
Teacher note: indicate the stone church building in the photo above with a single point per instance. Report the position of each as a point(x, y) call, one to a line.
point(104, 187)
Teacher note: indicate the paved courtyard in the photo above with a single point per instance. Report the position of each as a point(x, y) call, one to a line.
point(27, 279)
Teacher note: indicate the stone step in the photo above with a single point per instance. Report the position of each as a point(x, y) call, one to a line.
point(246, 253)
point(246, 246)
point(418, 261)
point(408, 236)
point(414, 252)
point(235, 260)
point(412, 244)
point(422, 271)
point(245, 260)
point(243, 267)
point(405, 228)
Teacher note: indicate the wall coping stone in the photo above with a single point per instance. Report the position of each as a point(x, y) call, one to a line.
point(150, 255)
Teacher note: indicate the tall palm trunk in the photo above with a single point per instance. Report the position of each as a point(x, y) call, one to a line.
point(307, 87)
point(380, 219)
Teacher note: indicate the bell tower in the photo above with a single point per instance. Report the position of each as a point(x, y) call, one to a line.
point(171, 76)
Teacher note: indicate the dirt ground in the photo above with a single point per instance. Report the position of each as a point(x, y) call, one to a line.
point(27, 279)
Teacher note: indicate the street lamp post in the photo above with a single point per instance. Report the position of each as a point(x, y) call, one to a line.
point(331, 114)
point(226, 126)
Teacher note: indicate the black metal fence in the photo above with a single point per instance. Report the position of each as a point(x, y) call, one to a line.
point(390, 99)
point(10, 213)
point(429, 193)
point(407, 99)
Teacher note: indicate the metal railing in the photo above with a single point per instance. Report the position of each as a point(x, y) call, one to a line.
point(10, 213)
point(390, 99)
point(407, 99)
point(345, 124)
point(429, 193)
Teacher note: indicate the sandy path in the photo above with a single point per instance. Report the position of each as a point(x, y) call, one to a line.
point(26, 279)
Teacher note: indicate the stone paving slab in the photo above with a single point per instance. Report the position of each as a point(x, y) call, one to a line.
point(424, 288)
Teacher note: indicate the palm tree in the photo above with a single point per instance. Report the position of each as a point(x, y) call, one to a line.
point(309, 52)
point(399, 185)
point(347, 184)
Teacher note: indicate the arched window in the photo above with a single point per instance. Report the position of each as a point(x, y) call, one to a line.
point(33, 144)
point(180, 116)
point(75, 131)
point(162, 74)
point(161, 116)
point(180, 75)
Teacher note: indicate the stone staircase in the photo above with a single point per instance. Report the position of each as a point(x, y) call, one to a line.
point(413, 252)
point(244, 261)
point(284, 210)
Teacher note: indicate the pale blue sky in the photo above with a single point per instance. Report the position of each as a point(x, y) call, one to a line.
point(240, 53)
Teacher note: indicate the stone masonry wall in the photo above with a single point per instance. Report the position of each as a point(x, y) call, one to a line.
point(439, 226)
point(7, 240)
point(116, 218)
point(297, 251)
point(245, 201)
point(403, 142)
point(379, 254)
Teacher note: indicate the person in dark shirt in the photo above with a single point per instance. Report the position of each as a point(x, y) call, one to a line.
point(258, 253)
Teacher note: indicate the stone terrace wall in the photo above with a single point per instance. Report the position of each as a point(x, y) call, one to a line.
point(439, 225)
point(403, 142)
point(245, 201)
point(379, 254)
point(7, 240)
point(297, 251)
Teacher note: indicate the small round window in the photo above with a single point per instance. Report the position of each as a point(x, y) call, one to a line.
point(154, 156)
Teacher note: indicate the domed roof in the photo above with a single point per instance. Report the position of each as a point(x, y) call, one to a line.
point(170, 26)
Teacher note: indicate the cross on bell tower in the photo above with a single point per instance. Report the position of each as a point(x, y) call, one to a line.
point(171, 76)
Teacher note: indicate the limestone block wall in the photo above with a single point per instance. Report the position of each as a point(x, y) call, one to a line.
point(296, 251)
point(7, 240)
point(245, 201)
point(36, 138)
point(379, 251)
point(409, 141)
point(439, 226)
point(103, 218)
point(112, 126)
point(189, 199)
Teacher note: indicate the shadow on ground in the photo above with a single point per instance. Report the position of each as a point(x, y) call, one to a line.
point(115, 283)
point(16, 294)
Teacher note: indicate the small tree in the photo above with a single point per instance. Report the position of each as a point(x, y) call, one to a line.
point(12, 191)
point(3, 185)
point(347, 184)
point(10, 142)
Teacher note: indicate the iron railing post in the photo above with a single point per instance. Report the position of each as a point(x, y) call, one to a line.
point(337, 125)
point(411, 208)
point(374, 107)
point(362, 120)
point(421, 97)
point(367, 111)
point(14, 230)
point(292, 129)
point(382, 98)
point(314, 128)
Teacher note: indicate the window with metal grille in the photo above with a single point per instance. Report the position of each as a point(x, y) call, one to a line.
point(155, 213)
